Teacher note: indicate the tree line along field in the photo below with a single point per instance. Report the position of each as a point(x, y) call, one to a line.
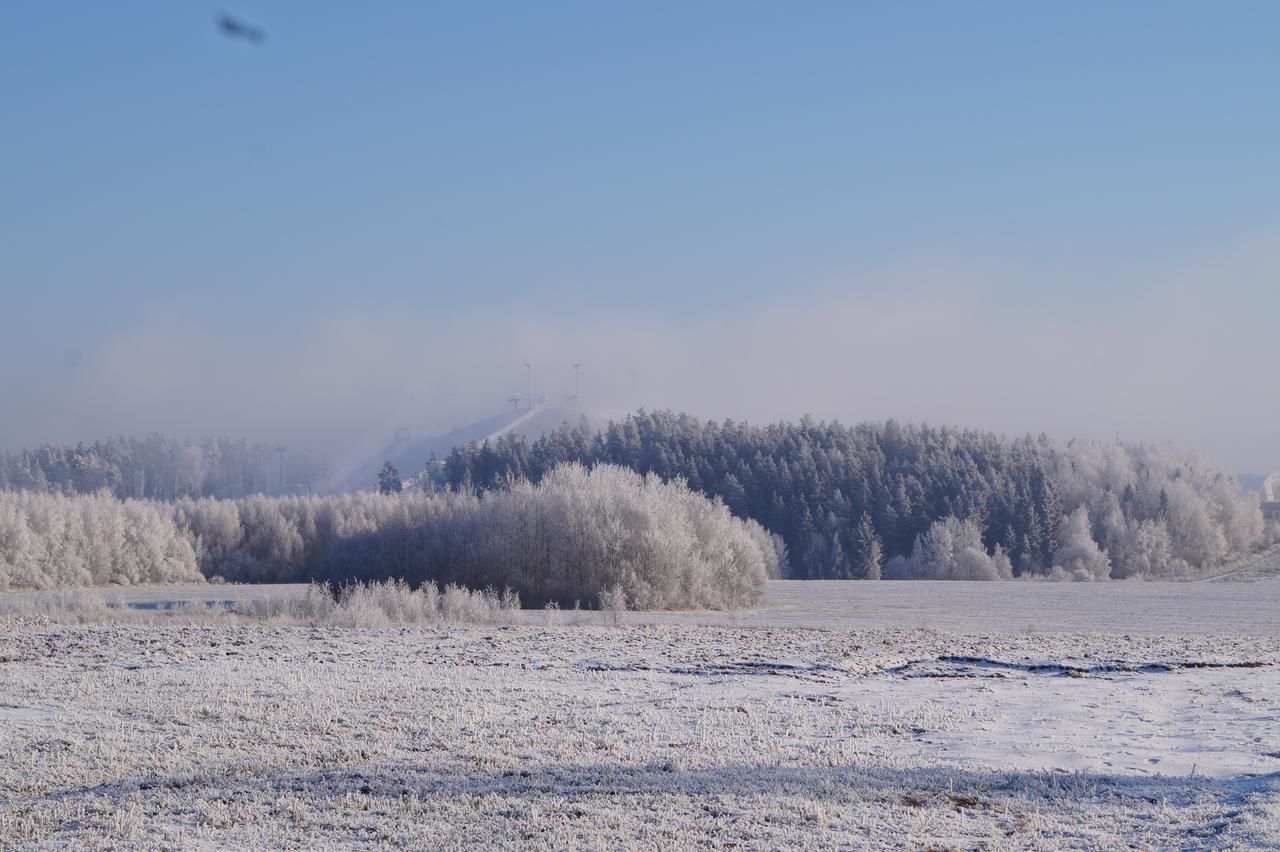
point(898, 500)
point(875, 500)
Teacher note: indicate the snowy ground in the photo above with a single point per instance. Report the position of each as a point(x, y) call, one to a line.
point(1233, 605)
point(661, 735)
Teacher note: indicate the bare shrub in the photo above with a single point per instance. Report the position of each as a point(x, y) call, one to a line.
point(65, 606)
point(613, 601)
point(359, 605)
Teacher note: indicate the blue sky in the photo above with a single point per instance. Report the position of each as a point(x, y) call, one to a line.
point(454, 165)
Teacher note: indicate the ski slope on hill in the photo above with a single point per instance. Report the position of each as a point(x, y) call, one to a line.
point(411, 452)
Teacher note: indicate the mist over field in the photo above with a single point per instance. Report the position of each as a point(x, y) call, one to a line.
point(1189, 361)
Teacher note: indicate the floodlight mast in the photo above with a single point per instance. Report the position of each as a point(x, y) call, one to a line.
point(576, 404)
point(280, 450)
point(528, 365)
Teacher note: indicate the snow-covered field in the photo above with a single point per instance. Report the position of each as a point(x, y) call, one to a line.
point(1001, 715)
point(1247, 605)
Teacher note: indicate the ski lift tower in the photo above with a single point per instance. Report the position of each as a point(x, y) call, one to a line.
point(1271, 497)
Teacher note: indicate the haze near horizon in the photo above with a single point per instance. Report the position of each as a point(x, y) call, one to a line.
point(1001, 217)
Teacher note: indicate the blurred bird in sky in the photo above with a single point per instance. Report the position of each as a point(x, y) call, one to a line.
point(235, 28)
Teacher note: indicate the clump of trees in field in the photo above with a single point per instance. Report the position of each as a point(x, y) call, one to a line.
point(900, 501)
point(575, 535)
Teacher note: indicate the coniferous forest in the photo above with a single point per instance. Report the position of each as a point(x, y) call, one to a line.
point(897, 501)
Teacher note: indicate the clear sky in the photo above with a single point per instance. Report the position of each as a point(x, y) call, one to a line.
point(977, 213)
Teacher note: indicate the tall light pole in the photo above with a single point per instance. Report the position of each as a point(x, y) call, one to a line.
point(577, 406)
point(529, 368)
point(280, 450)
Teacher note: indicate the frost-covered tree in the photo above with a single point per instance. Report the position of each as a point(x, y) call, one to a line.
point(1145, 549)
point(1078, 555)
point(870, 553)
point(951, 549)
point(49, 541)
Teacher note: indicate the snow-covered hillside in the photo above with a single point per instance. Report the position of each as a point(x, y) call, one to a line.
point(410, 451)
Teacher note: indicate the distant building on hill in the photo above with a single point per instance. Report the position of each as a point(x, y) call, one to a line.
point(1271, 497)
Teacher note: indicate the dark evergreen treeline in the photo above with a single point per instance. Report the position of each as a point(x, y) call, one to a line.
point(848, 499)
point(810, 482)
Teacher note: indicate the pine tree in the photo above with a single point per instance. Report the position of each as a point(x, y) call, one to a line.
point(1033, 540)
point(838, 566)
point(1051, 515)
point(389, 479)
point(870, 552)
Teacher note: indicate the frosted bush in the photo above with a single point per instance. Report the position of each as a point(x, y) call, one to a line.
point(64, 606)
point(1079, 557)
point(951, 549)
point(576, 534)
point(48, 541)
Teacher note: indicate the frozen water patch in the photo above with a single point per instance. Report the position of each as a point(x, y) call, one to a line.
point(817, 672)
